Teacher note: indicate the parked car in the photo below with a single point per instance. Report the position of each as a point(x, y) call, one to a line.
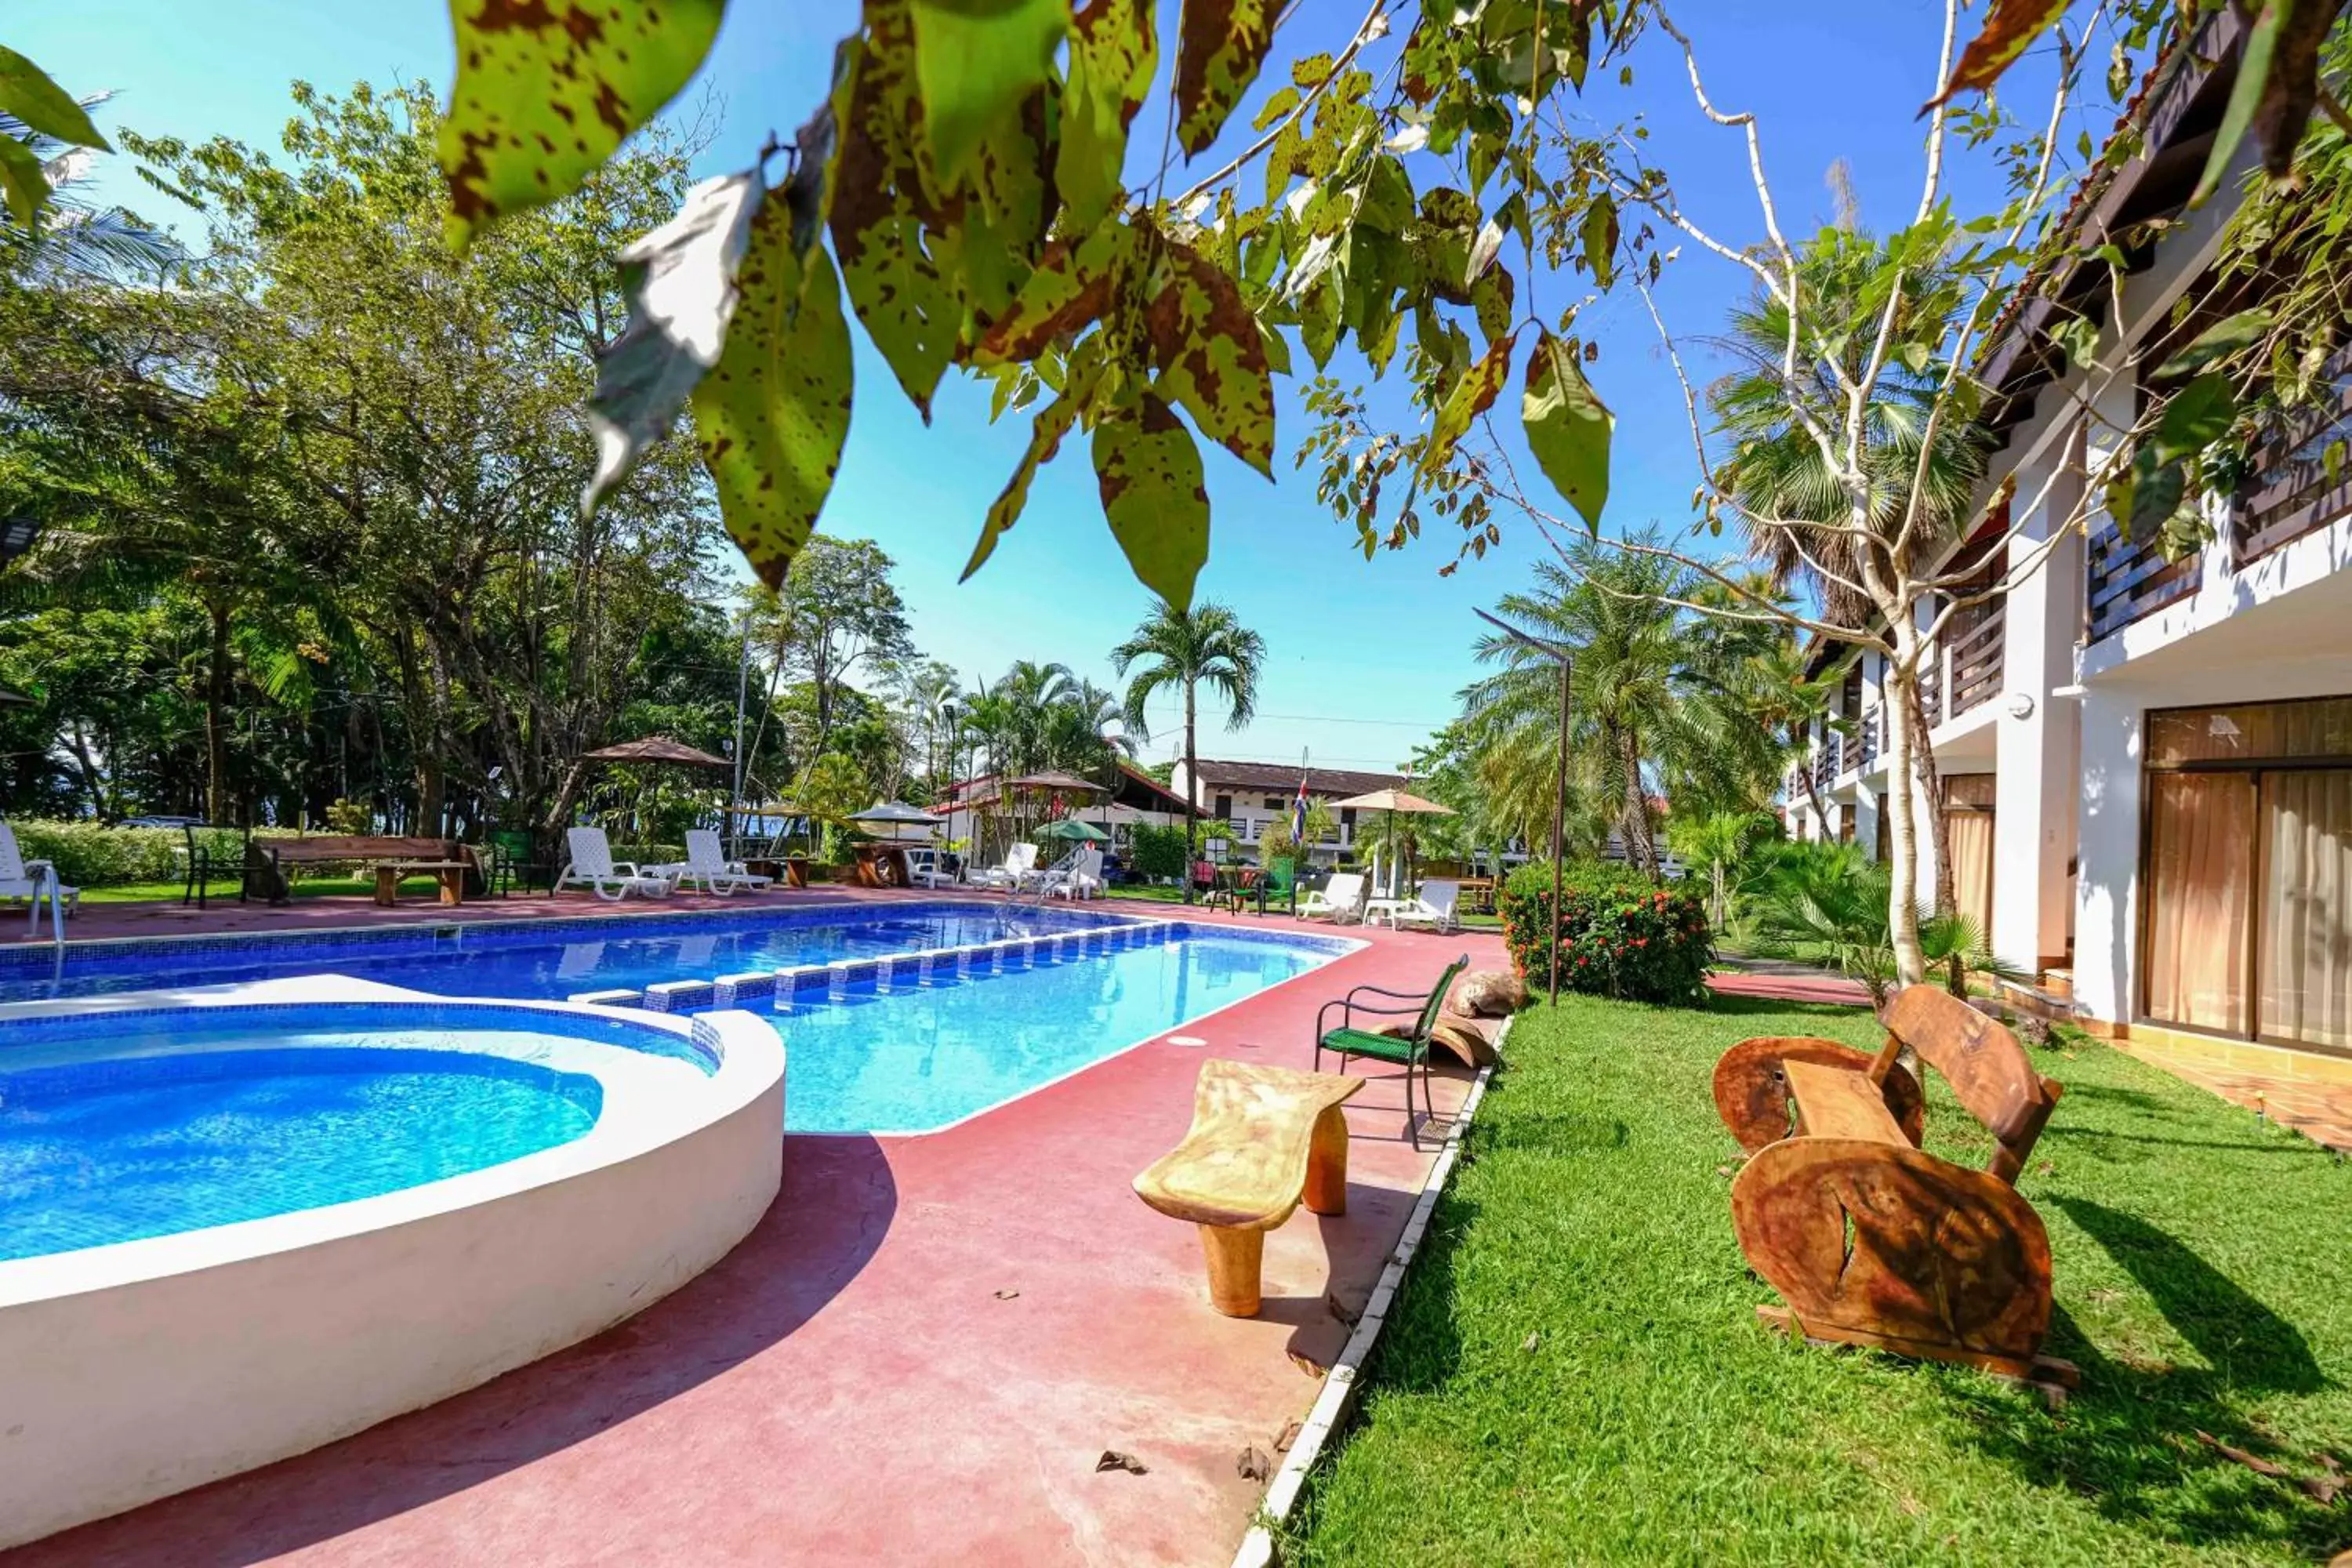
point(160, 822)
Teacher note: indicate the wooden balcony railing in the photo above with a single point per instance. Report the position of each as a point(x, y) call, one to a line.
point(1972, 657)
point(1826, 759)
point(1870, 735)
point(2124, 579)
point(2293, 490)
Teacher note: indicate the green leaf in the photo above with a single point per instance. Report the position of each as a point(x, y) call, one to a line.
point(977, 61)
point(1568, 427)
point(1072, 286)
point(1599, 238)
point(1281, 101)
point(1114, 52)
point(1221, 43)
point(22, 182)
point(42, 106)
point(679, 282)
point(1211, 357)
point(2010, 27)
point(2197, 416)
point(1053, 422)
point(548, 89)
point(2245, 96)
point(1150, 475)
point(2230, 335)
point(1472, 395)
point(772, 418)
point(1493, 300)
point(2155, 495)
point(906, 296)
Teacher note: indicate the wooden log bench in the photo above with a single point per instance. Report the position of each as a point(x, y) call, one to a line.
point(267, 860)
point(1869, 1238)
point(1264, 1140)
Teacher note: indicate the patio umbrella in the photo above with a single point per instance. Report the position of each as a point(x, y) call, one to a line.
point(901, 820)
point(1054, 779)
point(1076, 832)
point(655, 749)
point(1390, 802)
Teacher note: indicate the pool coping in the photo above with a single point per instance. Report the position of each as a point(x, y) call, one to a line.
point(1338, 1397)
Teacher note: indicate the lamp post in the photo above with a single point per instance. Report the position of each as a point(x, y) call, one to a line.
point(1566, 659)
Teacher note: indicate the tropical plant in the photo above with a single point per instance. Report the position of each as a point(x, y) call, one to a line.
point(1184, 650)
point(1275, 842)
point(1717, 842)
point(1827, 902)
point(1655, 702)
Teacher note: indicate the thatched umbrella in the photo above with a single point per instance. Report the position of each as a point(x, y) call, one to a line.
point(655, 749)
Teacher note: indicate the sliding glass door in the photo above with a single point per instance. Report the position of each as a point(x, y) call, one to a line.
point(2246, 927)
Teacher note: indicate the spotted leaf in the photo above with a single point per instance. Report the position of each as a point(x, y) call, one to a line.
point(548, 89)
point(1149, 474)
point(1472, 395)
point(1219, 45)
point(1053, 422)
point(772, 417)
point(1568, 427)
point(2010, 28)
point(679, 281)
point(977, 60)
point(907, 298)
point(1114, 53)
point(1073, 285)
point(1211, 356)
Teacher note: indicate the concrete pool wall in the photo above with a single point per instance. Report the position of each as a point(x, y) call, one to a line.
point(141, 1368)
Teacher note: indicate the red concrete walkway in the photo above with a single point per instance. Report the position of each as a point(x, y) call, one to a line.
point(917, 1357)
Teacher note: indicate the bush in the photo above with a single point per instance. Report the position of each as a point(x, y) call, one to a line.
point(1154, 853)
point(1619, 935)
point(88, 855)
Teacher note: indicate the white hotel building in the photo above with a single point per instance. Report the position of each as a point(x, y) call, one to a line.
point(2147, 766)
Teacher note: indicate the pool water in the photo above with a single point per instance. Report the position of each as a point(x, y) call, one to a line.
point(518, 962)
point(921, 1058)
point(235, 1126)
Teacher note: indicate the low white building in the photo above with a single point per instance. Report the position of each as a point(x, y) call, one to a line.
point(2147, 766)
point(1239, 799)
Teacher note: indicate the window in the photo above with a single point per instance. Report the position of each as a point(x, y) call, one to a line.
point(1224, 805)
point(2247, 863)
point(1273, 803)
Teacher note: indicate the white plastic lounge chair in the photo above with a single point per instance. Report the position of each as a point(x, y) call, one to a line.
point(591, 866)
point(928, 868)
point(707, 864)
point(1020, 862)
point(1079, 877)
point(23, 879)
point(1339, 900)
point(1432, 906)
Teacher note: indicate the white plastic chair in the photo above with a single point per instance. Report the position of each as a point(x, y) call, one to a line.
point(928, 868)
point(1019, 863)
point(592, 866)
point(34, 879)
point(1079, 877)
point(1432, 906)
point(707, 864)
point(1341, 900)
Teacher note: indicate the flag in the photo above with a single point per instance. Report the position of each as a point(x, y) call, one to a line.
point(1298, 815)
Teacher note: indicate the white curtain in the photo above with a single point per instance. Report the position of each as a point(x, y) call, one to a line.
point(2306, 957)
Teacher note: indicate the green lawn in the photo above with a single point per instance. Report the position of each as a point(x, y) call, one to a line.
point(1574, 1372)
point(225, 888)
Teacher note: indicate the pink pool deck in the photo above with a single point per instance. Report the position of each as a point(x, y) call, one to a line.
point(918, 1356)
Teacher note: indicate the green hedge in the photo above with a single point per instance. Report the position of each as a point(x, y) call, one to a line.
point(1153, 852)
point(89, 856)
point(1620, 934)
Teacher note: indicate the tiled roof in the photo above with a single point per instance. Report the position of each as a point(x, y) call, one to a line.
point(1281, 778)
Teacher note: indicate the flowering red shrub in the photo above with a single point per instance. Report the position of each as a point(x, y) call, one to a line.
point(1619, 935)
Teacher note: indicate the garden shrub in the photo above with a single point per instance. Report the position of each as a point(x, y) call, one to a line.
point(1153, 853)
point(1620, 934)
point(89, 856)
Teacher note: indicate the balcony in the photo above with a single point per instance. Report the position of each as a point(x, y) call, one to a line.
point(2125, 579)
point(1826, 759)
point(1971, 655)
point(1871, 728)
point(2293, 490)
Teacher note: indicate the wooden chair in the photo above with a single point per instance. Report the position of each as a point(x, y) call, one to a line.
point(1410, 1050)
point(1263, 1141)
point(1869, 1238)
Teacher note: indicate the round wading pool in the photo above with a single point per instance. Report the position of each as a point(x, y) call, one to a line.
point(232, 1231)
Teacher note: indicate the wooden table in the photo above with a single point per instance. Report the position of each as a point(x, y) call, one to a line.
point(450, 874)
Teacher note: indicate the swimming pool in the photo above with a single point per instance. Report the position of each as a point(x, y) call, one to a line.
point(922, 1056)
point(539, 960)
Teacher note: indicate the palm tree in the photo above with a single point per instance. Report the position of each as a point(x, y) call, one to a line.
point(75, 237)
point(1186, 648)
point(1656, 700)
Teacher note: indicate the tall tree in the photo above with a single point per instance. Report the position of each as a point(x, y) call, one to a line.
point(1185, 649)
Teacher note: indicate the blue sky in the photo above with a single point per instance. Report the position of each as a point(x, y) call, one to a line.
point(1364, 657)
